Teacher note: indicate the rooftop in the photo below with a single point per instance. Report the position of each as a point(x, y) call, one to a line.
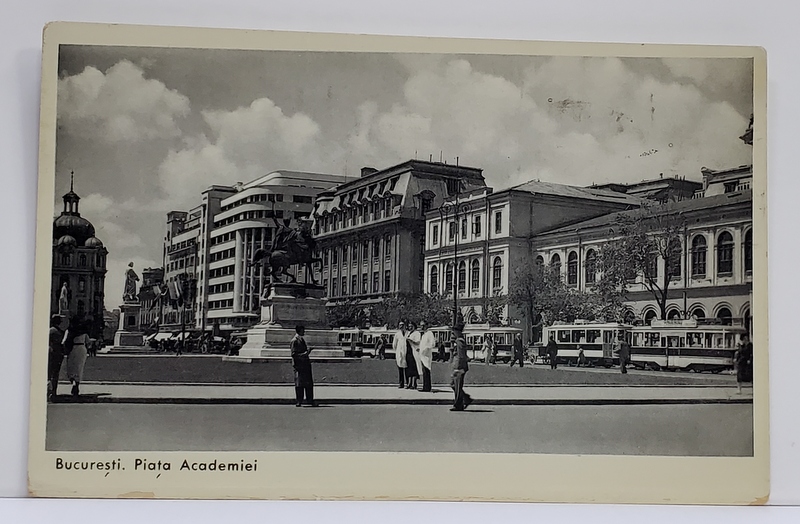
point(587, 193)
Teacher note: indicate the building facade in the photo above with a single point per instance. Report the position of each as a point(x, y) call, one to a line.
point(371, 232)
point(476, 254)
point(210, 247)
point(79, 263)
point(149, 299)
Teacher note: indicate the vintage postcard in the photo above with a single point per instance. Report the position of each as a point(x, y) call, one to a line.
point(316, 266)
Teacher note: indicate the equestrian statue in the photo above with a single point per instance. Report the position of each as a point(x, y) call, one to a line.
point(289, 247)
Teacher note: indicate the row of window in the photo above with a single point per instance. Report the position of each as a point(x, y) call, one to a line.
point(220, 288)
point(221, 255)
point(358, 214)
point(475, 276)
point(351, 252)
point(220, 304)
point(227, 237)
point(83, 260)
point(361, 286)
point(462, 230)
point(252, 215)
point(181, 263)
point(181, 245)
point(221, 272)
point(263, 197)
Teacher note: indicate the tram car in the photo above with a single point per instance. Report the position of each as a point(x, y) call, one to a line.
point(595, 339)
point(369, 341)
point(350, 341)
point(503, 338)
point(684, 344)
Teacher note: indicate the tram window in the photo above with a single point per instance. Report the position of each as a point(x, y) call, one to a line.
point(592, 335)
point(652, 339)
point(695, 339)
point(730, 340)
point(608, 337)
point(709, 340)
point(682, 342)
point(579, 336)
point(563, 336)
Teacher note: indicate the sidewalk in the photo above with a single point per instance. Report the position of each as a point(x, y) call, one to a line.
point(382, 394)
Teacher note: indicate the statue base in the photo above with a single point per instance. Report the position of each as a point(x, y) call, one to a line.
point(128, 337)
point(287, 306)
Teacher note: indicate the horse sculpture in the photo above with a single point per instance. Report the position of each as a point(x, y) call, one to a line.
point(290, 247)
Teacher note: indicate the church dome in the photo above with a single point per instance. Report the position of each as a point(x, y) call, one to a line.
point(93, 242)
point(67, 240)
point(75, 226)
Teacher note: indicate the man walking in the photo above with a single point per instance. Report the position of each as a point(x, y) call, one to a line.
point(380, 347)
point(624, 354)
point(460, 368)
point(518, 354)
point(301, 362)
point(426, 344)
point(552, 352)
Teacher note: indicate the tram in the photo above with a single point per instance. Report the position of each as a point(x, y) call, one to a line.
point(595, 339)
point(503, 337)
point(369, 341)
point(684, 344)
point(350, 341)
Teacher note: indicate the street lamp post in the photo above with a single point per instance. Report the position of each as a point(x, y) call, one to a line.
point(456, 210)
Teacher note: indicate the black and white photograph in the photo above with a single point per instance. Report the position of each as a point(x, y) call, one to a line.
point(397, 251)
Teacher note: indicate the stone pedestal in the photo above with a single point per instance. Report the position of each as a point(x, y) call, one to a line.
point(128, 335)
point(286, 306)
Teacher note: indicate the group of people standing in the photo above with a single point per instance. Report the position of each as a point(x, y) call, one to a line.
point(413, 352)
point(70, 339)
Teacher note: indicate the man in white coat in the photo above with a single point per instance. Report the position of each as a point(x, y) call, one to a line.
point(399, 346)
point(427, 344)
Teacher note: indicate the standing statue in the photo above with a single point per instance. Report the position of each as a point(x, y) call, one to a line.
point(63, 299)
point(131, 278)
point(290, 246)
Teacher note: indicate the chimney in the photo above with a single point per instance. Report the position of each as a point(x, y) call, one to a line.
point(367, 171)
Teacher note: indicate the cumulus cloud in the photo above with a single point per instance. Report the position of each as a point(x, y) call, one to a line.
point(119, 105)
point(243, 144)
point(572, 120)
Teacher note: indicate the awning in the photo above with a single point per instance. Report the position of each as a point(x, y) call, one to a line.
point(177, 336)
point(159, 336)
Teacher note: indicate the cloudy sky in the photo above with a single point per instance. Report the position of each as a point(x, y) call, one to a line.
point(147, 129)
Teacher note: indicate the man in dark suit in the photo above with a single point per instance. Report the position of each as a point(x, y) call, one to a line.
point(518, 352)
point(624, 354)
point(552, 352)
point(301, 362)
point(460, 367)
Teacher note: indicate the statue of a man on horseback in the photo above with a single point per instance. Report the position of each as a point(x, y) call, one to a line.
point(289, 247)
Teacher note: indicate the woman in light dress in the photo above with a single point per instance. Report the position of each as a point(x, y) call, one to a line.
point(412, 371)
point(77, 335)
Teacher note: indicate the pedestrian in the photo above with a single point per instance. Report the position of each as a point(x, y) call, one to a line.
point(552, 352)
point(518, 352)
point(492, 349)
point(301, 362)
point(412, 347)
point(440, 351)
point(380, 347)
point(460, 367)
point(426, 344)
point(624, 353)
point(55, 354)
point(486, 350)
point(743, 360)
point(581, 357)
point(76, 339)
point(399, 346)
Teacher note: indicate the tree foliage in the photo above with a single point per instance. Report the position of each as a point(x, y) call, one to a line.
point(411, 307)
point(347, 313)
point(540, 292)
point(647, 238)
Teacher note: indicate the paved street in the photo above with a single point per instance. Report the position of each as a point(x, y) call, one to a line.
point(699, 430)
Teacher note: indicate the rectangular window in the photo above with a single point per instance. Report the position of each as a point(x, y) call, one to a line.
point(302, 199)
point(498, 222)
point(333, 288)
point(452, 227)
point(365, 251)
point(435, 235)
point(354, 285)
point(463, 229)
point(334, 256)
point(476, 226)
point(375, 282)
point(376, 248)
point(388, 247)
point(387, 280)
point(344, 285)
point(364, 284)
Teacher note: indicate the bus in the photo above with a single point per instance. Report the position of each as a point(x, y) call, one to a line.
point(596, 340)
point(684, 344)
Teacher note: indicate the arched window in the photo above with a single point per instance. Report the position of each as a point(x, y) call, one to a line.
point(724, 314)
point(434, 280)
point(724, 254)
point(699, 256)
point(65, 259)
point(698, 313)
point(476, 275)
point(591, 266)
point(448, 278)
point(628, 317)
point(673, 314)
point(497, 273)
point(81, 285)
point(462, 276)
point(572, 268)
point(748, 251)
point(555, 263)
point(82, 260)
point(649, 316)
point(540, 260)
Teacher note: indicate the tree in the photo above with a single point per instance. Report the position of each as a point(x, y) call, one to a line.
point(543, 296)
point(347, 313)
point(646, 237)
point(493, 309)
point(411, 307)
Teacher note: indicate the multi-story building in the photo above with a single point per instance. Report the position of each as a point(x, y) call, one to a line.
point(79, 262)
point(211, 246)
point(477, 254)
point(370, 232)
point(662, 190)
point(713, 278)
point(149, 294)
